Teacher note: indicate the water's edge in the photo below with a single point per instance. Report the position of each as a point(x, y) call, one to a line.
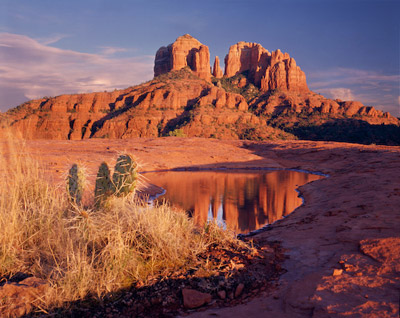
point(266, 227)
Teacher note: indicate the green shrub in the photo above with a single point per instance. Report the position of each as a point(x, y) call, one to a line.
point(177, 133)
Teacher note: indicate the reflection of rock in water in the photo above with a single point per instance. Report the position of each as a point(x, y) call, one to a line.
point(247, 200)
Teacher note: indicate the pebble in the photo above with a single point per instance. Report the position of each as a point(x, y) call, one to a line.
point(222, 294)
point(337, 272)
point(239, 290)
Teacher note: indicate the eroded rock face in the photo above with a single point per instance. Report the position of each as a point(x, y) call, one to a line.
point(217, 72)
point(268, 71)
point(181, 99)
point(244, 56)
point(185, 51)
point(148, 110)
point(280, 101)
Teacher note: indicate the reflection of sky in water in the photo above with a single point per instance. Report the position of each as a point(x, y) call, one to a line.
point(242, 201)
point(220, 212)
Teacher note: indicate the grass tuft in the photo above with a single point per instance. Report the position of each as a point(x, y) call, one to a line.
point(83, 251)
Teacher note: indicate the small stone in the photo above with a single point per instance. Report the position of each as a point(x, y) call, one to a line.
point(239, 290)
point(222, 294)
point(156, 300)
point(337, 272)
point(193, 298)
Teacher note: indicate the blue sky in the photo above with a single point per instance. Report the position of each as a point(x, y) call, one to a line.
point(348, 49)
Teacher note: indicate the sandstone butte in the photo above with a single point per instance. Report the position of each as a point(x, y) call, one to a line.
point(184, 97)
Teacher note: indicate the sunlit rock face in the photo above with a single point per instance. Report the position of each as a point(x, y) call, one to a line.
point(243, 201)
point(183, 97)
point(185, 51)
point(268, 71)
point(217, 72)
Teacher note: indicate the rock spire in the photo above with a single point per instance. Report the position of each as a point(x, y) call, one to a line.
point(217, 72)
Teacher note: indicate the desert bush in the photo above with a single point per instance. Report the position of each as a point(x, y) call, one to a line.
point(177, 133)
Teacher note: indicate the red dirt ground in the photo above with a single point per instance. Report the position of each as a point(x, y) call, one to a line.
point(342, 246)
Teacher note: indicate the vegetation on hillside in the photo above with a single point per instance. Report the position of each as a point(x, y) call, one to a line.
point(327, 127)
point(232, 85)
point(183, 73)
point(221, 122)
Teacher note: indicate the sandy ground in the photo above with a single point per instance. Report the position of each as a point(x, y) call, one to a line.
point(342, 246)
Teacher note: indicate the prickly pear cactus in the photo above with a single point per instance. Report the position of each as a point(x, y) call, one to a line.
point(104, 187)
point(125, 175)
point(75, 184)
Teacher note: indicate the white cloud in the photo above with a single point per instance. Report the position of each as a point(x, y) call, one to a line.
point(372, 88)
point(30, 69)
point(338, 93)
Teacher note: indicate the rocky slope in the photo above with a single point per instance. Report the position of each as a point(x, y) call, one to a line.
point(175, 103)
point(185, 99)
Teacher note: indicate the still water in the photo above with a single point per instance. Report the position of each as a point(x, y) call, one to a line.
point(240, 200)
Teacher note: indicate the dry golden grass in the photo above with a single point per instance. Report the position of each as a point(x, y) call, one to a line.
point(87, 251)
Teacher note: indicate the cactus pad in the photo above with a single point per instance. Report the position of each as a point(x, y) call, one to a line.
point(125, 175)
point(75, 184)
point(104, 186)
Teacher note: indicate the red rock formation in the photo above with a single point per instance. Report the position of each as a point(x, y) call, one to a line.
point(139, 111)
point(245, 56)
point(180, 100)
point(217, 72)
point(267, 71)
point(185, 51)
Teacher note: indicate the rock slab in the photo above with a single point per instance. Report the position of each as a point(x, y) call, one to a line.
point(194, 299)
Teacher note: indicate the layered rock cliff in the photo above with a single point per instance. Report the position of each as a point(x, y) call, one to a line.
point(177, 100)
point(185, 51)
point(257, 89)
point(268, 71)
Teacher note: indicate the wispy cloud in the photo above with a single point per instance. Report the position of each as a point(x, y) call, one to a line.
point(52, 39)
point(30, 69)
point(110, 50)
point(370, 87)
point(350, 76)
